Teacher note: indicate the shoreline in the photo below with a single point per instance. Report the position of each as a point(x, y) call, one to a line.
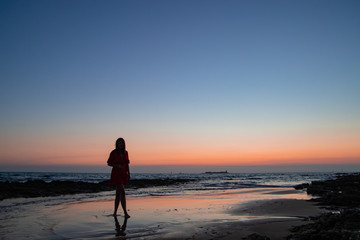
point(253, 213)
point(264, 219)
point(206, 215)
point(342, 197)
point(335, 215)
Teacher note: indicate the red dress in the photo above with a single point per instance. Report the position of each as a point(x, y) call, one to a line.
point(119, 175)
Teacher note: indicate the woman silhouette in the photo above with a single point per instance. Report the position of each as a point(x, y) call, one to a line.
point(120, 173)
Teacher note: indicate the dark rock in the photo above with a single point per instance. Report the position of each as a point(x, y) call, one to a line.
point(301, 186)
point(256, 236)
point(343, 191)
point(341, 194)
point(342, 225)
point(40, 188)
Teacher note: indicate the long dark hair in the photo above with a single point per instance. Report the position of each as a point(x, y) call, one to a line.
point(118, 149)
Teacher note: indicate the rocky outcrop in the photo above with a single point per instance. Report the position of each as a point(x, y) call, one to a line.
point(342, 196)
point(40, 188)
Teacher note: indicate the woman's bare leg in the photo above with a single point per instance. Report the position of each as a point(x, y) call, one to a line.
point(123, 200)
point(117, 199)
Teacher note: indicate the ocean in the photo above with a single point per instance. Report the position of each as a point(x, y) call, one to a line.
point(202, 181)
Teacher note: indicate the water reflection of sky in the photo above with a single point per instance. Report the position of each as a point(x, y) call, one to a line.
point(85, 216)
point(151, 215)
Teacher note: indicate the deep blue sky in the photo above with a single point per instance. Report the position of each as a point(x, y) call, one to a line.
point(180, 76)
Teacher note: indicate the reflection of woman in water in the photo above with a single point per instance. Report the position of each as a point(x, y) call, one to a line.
point(120, 173)
point(120, 230)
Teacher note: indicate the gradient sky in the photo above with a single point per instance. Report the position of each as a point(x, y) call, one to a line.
point(184, 82)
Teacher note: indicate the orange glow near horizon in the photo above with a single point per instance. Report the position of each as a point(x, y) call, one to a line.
point(314, 148)
point(271, 154)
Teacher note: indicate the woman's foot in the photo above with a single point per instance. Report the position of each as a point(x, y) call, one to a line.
point(127, 215)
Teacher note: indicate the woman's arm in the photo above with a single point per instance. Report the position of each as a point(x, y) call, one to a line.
point(114, 165)
point(128, 170)
point(127, 164)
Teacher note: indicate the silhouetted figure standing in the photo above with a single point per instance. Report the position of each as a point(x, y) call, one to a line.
point(120, 173)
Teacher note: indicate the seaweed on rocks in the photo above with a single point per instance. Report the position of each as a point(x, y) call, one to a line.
point(343, 225)
point(40, 188)
point(342, 195)
point(256, 236)
point(342, 191)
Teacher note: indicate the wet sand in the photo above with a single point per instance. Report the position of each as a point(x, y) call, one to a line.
point(206, 215)
point(273, 218)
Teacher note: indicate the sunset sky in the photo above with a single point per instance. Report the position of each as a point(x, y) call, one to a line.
point(183, 82)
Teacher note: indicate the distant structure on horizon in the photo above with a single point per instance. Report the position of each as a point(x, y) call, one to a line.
point(216, 172)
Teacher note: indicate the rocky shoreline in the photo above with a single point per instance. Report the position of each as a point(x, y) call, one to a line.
point(40, 188)
point(342, 197)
